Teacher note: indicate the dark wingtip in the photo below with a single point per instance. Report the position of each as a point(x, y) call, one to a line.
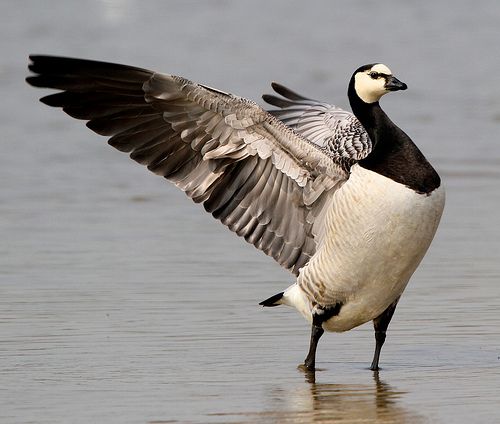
point(267, 97)
point(277, 101)
point(31, 79)
point(287, 93)
point(272, 301)
point(275, 85)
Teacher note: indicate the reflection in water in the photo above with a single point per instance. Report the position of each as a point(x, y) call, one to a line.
point(327, 402)
point(334, 403)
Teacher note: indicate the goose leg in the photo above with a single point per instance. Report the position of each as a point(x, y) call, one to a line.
point(321, 315)
point(380, 325)
point(316, 333)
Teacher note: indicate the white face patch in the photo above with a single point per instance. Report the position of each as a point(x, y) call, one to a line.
point(370, 89)
point(380, 67)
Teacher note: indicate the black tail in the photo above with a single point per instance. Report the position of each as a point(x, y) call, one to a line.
point(273, 300)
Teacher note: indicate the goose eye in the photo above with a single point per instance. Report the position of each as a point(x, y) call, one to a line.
point(374, 75)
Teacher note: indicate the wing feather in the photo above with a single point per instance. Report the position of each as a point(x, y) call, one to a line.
point(264, 181)
point(337, 131)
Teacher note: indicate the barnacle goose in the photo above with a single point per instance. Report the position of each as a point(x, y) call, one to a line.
point(345, 201)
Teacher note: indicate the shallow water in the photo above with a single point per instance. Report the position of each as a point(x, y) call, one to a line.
point(120, 301)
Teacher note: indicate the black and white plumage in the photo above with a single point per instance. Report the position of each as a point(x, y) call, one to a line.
point(337, 131)
point(344, 201)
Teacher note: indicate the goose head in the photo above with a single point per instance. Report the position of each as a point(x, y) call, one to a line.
point(370, 82)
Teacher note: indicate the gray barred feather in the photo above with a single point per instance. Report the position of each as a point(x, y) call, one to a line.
point(333, 129)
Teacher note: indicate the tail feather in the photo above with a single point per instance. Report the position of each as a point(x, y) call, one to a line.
point(273, 300)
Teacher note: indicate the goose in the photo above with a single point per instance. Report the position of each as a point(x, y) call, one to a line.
point(345, 201)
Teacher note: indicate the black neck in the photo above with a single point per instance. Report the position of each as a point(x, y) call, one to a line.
point(372, 117)
point(394, 155)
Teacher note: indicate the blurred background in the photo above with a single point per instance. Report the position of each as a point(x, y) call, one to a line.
point(104, 319)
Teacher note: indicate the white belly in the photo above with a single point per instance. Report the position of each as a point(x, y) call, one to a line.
point(377, 232)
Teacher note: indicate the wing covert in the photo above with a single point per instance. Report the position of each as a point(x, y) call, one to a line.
point(333, 129)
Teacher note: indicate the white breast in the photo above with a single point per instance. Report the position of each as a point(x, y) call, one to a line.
point(377, 232)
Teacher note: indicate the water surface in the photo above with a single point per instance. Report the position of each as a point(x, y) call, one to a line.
point(121, 301)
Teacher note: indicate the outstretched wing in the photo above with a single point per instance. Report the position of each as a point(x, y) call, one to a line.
point(259, 178)
point(333, 129)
